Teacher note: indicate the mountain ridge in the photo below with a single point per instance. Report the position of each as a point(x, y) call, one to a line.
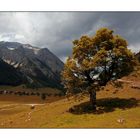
point(39, 65)
point(9, 75)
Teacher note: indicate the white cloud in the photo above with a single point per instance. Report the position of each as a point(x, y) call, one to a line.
point(17, 36)
point(135, 47)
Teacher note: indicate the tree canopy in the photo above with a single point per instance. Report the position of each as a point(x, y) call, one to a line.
point(97, 60)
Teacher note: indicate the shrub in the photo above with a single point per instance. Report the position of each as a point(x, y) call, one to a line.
point(43, 96)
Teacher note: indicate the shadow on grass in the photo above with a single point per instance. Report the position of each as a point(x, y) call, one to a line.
point(104, 105)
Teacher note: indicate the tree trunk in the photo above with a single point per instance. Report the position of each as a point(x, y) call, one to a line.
point(93, 99)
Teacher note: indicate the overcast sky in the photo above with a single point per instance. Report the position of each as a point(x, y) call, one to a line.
point(56, 30)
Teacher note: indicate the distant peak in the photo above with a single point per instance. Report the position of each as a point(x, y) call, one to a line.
point(28, 46)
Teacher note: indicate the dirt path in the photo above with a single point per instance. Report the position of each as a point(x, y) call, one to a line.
point(13, 106)
point(132, 83)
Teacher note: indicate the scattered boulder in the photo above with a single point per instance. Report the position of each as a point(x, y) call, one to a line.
point(121, 120)
point(32, 107)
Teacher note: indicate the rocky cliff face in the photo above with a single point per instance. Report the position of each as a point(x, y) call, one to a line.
point(40, 66)
point(9, 75)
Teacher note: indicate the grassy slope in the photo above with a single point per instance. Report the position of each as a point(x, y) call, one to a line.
point(16, 113)
point(56, 115)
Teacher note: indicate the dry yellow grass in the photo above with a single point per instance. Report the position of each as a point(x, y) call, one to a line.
point(118, 108)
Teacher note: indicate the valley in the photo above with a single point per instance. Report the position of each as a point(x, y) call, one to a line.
point(117, 108)
point(32, 95)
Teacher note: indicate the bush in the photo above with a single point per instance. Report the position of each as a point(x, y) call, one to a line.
point(43, 96)
point(38, 94)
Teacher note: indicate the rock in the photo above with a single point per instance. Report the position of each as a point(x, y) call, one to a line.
point(29, 114)
point(121, 120)
point(32, 107)
point(29, 119)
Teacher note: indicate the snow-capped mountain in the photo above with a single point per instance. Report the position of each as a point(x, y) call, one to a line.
point(40, 66)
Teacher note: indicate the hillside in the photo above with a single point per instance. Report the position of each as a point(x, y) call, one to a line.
point(40, 66)
point(9, 75)
point(116, 108)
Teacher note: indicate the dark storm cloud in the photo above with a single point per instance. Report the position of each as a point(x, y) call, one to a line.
point(56, 30)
